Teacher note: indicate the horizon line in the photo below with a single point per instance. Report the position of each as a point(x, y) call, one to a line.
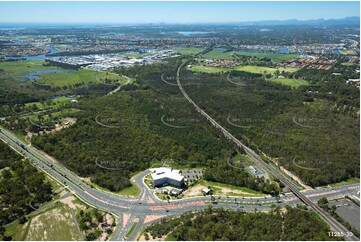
point(165, 23)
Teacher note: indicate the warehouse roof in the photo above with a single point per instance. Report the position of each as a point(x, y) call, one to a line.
point(165, 172)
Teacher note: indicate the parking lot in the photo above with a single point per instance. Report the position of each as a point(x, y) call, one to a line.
point(191, 174)
point(347, 210)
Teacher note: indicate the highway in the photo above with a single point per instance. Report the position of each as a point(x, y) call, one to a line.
point(269, 168)
point(146, 207)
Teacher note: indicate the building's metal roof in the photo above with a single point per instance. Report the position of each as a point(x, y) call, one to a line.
point(165, 172)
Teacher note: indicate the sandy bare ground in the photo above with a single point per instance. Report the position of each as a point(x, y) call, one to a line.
point(69, 200)
point(151, 218)
point(226, 190)
point(296, 178)
point(58, 127)
point(194, 191)
point(108, 219)
point(197, 191)
point(38, 223)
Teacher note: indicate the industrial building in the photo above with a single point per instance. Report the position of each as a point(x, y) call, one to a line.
point(166, 176)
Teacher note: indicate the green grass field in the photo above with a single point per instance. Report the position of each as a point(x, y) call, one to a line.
point(219, 54)
point(348, 182)
point(252, 69)
point(188, 51)
point(19, 68)
point(84, 76)
point(348, 52)
point(290, 82)
point(274, 57)
point(53, 103)
point(130, 191)
point(210, 69)
point(60, 79)
point(263, 70)
point(242, 160)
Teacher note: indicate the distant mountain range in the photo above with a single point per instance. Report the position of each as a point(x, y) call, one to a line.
point(354, 20)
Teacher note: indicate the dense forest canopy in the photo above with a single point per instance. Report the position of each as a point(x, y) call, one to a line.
point(218, 224)
point(20, 184)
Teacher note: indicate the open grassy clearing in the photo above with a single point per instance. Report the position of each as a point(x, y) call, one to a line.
point(16, 230)
point(263, 70)
point(252, 69)
point(188, 51)
point(128, 191)
point(53, 103)
point(63, 112)
point(83, 76)
point(348, 182)
point(290, 82)
point(242, 160)
point(19, 68)
point(55, 223)
point(210, 69)
point(348, 52)
point(220, 54)
point(349, 64)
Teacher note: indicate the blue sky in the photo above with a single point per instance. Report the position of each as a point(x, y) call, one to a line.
point(171, 12)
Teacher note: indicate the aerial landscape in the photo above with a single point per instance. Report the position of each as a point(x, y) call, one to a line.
point(180, 121)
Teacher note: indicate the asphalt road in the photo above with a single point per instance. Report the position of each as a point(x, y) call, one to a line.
point(146, 207)
point(270, 168)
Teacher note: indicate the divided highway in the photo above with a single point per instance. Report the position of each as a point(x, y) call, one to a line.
point(146, 208)
point(274, 171)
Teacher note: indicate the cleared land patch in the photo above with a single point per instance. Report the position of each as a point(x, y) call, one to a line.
point(221, 189)
point(263, 70)
point(220, 54)
point(252, 69)
point(188, 51)
point(82, 76)
point(294, 83)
